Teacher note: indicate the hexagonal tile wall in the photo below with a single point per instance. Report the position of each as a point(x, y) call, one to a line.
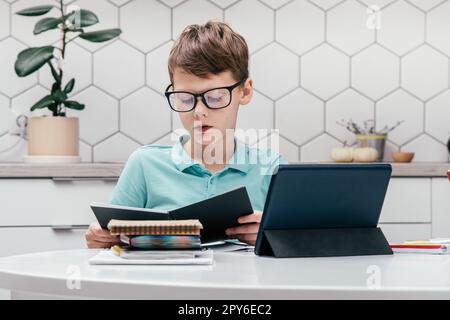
point(144, 116)
point(375, 72)
point(425, 72)
point(402, 27)
point(303, 19)
point(10, 84)
point(119, 2)
point(436, 125)
point(325, 71)
point(349, 105)
point(426, 149)
point(378, 3)
point(438, 23)
point(400, 106)
point(313, 62)
point(275, 79)
point(12, 154)
point(224, 4)
point(193, 11)
point(4, 20)
point(172, 3)
point(299, 116)
point(326, 4)
point(319, 149)
point(257, 34)
point(6, 115)
point(85, 152)
point(99, 119)
point(347, 27)
point(116, 76)
point(426, 4)
point(278, 144)
point(157, 73)
point(107, 150)
point(22, 103)
point(145, 24)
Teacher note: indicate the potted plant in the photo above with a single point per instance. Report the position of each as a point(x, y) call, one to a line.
point(56, 137)
point(370, 142)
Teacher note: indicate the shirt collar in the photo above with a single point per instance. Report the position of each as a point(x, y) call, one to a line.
point(182, 160)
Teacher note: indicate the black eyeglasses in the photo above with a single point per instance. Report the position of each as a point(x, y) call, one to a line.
point(217, 98)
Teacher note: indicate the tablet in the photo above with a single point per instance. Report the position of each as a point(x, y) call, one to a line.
point(319, 196)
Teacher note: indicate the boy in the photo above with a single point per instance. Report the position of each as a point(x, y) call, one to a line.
point(208, 68)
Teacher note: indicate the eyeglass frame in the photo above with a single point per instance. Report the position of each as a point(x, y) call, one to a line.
point(202, 94)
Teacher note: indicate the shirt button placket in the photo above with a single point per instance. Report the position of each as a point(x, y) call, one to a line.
point(210, 186)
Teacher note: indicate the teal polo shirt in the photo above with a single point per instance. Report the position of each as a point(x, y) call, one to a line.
point(166, 177)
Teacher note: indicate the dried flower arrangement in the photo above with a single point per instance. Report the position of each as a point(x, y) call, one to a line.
point(368, 127)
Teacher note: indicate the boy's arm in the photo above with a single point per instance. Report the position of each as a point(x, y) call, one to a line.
point(131, 188)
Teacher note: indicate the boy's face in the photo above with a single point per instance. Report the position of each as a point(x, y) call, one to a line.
point(207, 125)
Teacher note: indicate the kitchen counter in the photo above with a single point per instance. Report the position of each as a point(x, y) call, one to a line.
point(112, 170)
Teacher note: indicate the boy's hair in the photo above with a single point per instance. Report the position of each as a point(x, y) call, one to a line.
point(210, 49)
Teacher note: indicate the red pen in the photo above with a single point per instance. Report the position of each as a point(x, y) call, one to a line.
point(417, 246)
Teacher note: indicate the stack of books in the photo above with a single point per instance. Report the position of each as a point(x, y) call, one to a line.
point(155, 242)
point(430, 246)
point(158, 234)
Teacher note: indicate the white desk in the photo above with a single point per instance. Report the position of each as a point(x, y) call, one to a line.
point(233, 276)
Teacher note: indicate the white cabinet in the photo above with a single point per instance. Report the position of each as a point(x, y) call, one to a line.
point(51, 202)
point(23, 240)
point(48, 214)
point(408, 200)
point(441, 208)
point(399, 232)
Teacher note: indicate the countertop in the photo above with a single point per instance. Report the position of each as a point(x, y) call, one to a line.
point(234, 275)
point(112, 170)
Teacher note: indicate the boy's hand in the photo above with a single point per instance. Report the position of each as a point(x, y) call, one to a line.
point(248, 232)
point(96, 237)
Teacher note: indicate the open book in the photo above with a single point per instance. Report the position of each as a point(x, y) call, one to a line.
point(215, 214)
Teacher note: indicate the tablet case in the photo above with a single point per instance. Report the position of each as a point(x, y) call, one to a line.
point(216, 213)
point(324, 210)
point(303, 243)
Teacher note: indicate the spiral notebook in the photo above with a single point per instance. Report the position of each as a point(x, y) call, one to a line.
point(155, 227)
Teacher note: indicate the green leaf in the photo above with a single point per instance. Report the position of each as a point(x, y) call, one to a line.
point(55, 74)
point(59, 96)
point(69, 86)
point(82, 18)
point(55, 87)
point(43, 103)
point(73, 105)
point(46, 24)
point(35, 11)
point(101, 36)
point(32, 59)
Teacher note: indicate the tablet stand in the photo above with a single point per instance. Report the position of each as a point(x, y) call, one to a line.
point(324, 242)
